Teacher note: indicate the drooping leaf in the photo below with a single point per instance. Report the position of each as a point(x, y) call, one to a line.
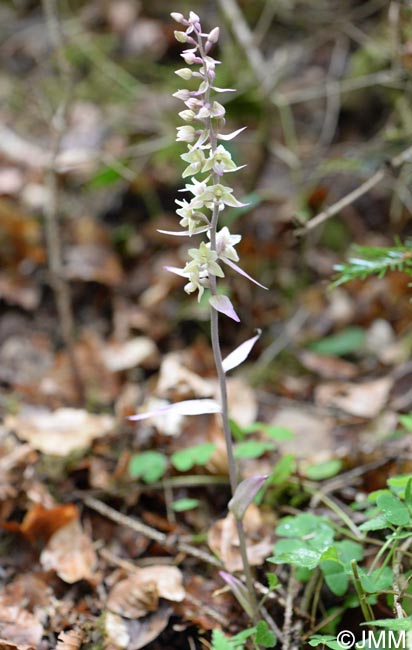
point(239, 590)
point(187, 407)
point(240, 354)
point(237, 268)
point(223, 305)
point(244, 495)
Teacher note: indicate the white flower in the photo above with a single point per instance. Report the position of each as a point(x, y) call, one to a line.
point(225, 243)
point(196, 158)
point(185, 134)
point(220, 162)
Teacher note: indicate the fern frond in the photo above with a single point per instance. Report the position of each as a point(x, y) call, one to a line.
point(374, 260)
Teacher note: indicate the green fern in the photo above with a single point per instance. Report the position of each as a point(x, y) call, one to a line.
point(374, 260)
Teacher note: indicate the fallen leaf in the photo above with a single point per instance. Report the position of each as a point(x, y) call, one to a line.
point(176, 381)
point(93, 263)
point(242, 401)
point(365, 400)
point(70, 553)
point(139, 594)
point(71, 640)
point(59, 432)
point(135, 634)
point(140, 351)
point(312, 433)
point(40, 524)
point(20, 627)
point(326, 366)
point(223, 539)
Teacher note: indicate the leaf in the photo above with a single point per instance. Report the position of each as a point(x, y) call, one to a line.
point(398, 624)
point(264, 636)
point(308, 537)
point(220, 641)
point(148, 465)
point(394, 510)
point(237, 268)
point(187, 407)
point(406, 421)
point(244, 495)
point(377, 581)
point(185, 459)
point(323, 470)
point(223, 305)
point(252, 449)
point(240, 354)
point(181, 505)
point(376, 523)
point(325, 640)
point(239, 590)
point(345, 342)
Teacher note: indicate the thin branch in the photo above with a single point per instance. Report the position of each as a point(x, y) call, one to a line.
point(353, 196)
point(53, 237)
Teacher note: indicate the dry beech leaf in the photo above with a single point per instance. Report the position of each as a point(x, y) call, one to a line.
point(40, 524)
point(71, 640)
point(242, 401)
point(59, 432)
point(178, 382)
point(8, 645)
point(139, 594)
point(93, 263)
point(312, 433)
point(70, 553)
point(327, 367)
point(20, 627)
point(140, 351)
point(364, 400)
point(223, 540)
point(122, 633)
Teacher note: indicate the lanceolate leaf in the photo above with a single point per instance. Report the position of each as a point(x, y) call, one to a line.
point(239, 591)
point(223, 305)
point(244, 495)
point(240, 354)
point(237, 268)
point(187, 407)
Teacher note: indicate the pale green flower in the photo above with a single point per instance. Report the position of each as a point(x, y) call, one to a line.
point(196, 159)
point(220, 161)
point(225, 243)
point(204, 259)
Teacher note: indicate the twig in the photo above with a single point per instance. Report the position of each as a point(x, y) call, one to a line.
point(153, 534)
point(353, 196)
point(287, 624)
point(54, 247)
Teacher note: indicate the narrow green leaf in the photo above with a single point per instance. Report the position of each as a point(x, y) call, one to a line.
point(180, 505)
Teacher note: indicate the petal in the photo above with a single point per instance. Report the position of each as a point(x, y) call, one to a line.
point(176, 270)
point(182, 233)
point(230, 136)
point(187, 407)
point(224, 306)
point(240, 354)
point(237, 268)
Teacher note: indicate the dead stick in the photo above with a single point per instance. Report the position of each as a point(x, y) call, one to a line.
point(53, 238)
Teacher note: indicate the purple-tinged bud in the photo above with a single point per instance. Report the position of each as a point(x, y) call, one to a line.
point(187, 116)
point(193, 18)
point(184, 73)
point(190, 57)
point(179, 18)
point(213, 37)
point(183, 94)
point(181, 37)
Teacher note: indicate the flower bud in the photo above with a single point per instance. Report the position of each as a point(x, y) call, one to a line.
point(214, 35)
point(184, 73)
point(185, 134)
point(187, 116)
point(183, 94)
point(181, 37)
point(179, 18)
point(193, 18)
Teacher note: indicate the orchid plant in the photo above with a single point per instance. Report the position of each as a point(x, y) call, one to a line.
point(208, 162)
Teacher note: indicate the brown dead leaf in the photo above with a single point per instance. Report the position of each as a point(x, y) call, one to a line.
point(40, 524)
point(16, 289)
point(140, 351)
point(139, 594)
point(20, 627)
point(364, 400)
point(71, 640)
point(70, 553)
point(59, 432)
point(177, 382)
point(327, 366)
point(312, 433)
point(242, 401)
point(8, 645)
point(93, 263)
point(20, 236)
point(223, 539)
point(134, 634)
